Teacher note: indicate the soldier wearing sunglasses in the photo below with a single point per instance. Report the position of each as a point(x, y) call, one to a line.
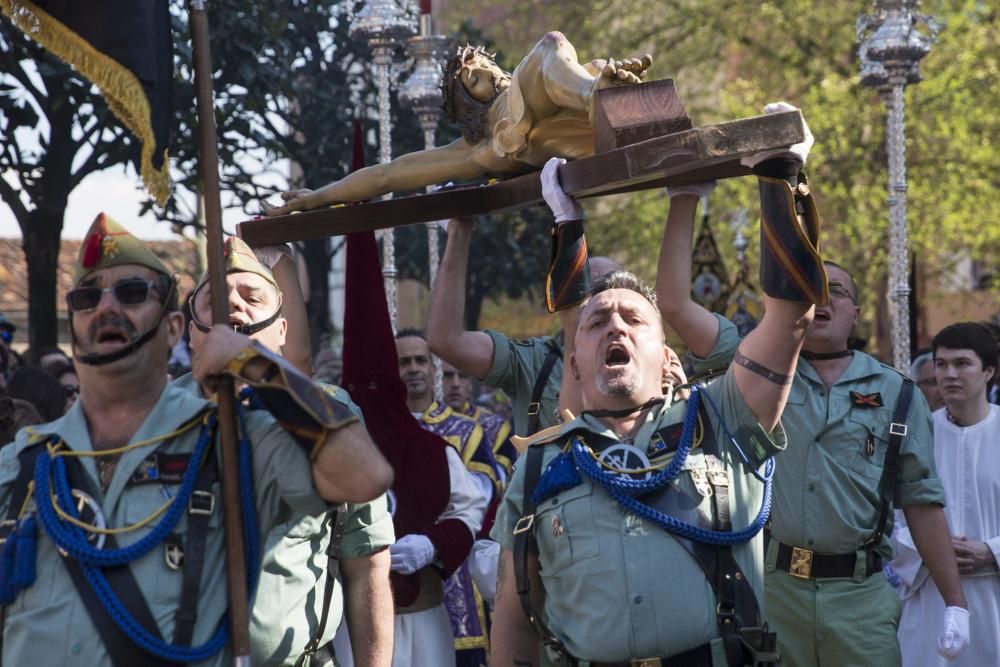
point(118, 556)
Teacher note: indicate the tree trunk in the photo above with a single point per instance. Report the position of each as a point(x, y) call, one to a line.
point(317, 256)
point(41, 251)
point(42, 230)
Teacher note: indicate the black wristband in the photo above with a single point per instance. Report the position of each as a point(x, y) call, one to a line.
point(761, 370)
point(785, 167)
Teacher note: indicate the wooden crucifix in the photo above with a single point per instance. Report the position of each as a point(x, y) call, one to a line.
point(642, 139)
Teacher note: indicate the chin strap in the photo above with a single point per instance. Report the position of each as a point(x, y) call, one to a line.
point(248, 329)
point(102, 359)
point(95, 359)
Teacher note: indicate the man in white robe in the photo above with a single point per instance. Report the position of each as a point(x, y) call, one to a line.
point(967, 454)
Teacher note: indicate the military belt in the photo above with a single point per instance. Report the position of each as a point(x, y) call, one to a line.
point(699, 656)
point(807, 564)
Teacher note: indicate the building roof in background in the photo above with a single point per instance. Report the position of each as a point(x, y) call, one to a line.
point(179, 256)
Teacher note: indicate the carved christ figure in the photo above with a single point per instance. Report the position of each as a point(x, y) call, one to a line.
point(509, 124)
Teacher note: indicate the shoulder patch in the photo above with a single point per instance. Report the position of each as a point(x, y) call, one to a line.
point(544, 437)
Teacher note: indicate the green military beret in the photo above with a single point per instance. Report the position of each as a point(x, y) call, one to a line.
point(108, 244)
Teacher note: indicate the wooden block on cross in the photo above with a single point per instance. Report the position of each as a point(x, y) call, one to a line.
point(625, 115)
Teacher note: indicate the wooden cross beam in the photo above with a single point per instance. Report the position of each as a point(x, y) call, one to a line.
point(690, 156)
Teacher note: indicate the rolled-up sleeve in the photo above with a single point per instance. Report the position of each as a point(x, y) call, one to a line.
point(918, 482)
point(719, 358)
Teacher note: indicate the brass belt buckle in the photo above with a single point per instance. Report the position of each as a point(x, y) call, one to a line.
point(648, 662)
point(802, 562)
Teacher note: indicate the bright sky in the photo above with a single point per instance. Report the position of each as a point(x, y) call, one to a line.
point(116, 193)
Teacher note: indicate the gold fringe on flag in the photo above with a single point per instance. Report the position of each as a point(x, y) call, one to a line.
point(119, 86)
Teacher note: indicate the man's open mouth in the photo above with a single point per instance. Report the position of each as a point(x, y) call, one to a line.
point(111, 336)
point(822, 316)
point(616, 355)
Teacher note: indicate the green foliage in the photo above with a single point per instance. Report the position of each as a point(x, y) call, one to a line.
point(731, 57)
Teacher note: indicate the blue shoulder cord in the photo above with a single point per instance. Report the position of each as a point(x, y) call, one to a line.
point(623, 489)
point(73, 540)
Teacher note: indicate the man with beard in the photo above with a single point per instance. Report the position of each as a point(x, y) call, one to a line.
point(467, 449)
point(134, 464)
point(299, 584)
point(645, 510)
point(595, 561)
point(529, 371)
point(859, 444)
point(510, 124)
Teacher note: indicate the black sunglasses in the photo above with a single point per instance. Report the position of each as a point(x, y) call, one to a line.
point(128, 292)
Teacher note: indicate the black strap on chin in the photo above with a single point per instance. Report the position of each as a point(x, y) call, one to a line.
point(95, 359)
point(248, 329)
point(539, 387)
point(200, 509)
point(338, 519)
point(890, 468)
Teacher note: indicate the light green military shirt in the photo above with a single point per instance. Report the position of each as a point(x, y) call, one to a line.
point(48, 623)
point(516, 365)
point(619, 587)
point(289, 600)
point(826, 483)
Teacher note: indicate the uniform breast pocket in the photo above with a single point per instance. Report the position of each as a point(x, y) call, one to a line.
point(868, 447)
point(165, 563)
point(565, 529)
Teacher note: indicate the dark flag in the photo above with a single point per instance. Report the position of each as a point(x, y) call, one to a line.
point(125, 48)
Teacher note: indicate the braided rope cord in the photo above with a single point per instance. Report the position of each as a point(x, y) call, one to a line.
point(623, 489)
point(75, 538)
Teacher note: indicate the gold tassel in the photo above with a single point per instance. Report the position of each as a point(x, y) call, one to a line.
point(119, 86)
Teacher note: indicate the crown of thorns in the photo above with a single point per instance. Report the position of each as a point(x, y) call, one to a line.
point(453, 69)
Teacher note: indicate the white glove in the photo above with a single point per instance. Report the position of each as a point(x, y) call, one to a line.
point(700, 190)
point(563, 206)
point(270, 254)
point(483, 563)
point(800, 150)
point(411, 553)
point(954, 632)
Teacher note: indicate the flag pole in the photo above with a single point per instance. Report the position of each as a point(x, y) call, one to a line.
point(239, 619)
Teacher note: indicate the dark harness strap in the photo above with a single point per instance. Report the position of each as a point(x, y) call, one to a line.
point(524, 541)
point(890, 469)
point(745, 639)
point(123, 651)
point(539, 387)
point(201, 506)
point(338, 518)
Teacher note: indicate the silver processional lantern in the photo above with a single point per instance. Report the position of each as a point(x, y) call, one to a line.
point(384, 25)
point(422, 93)
point(890, 50)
